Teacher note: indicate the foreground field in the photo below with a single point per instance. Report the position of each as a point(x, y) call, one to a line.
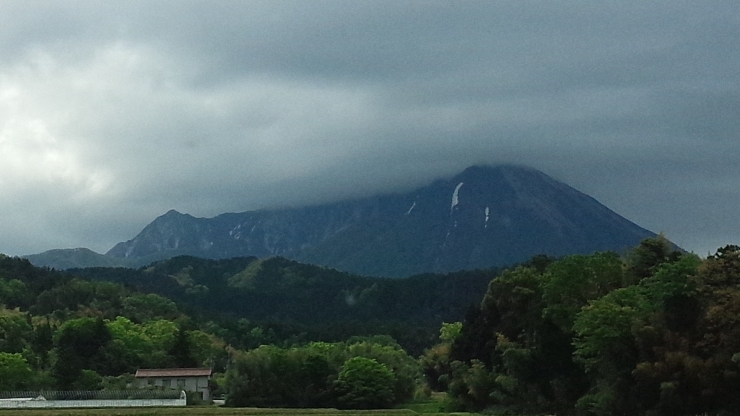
point(210, 411)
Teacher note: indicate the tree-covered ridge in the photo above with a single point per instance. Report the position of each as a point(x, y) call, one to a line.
point(305, 302)
point(652, 334)
point(63, 332)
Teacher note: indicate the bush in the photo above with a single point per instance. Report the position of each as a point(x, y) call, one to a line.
point(364, 383)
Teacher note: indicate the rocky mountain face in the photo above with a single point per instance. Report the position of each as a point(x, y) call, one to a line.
point(484, 217)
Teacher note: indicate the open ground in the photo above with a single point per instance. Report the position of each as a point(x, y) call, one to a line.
point(208, 411)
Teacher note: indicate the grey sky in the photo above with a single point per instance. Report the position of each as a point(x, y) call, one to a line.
point(112, 113)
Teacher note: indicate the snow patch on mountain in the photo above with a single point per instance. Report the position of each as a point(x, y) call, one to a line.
point(455, 199)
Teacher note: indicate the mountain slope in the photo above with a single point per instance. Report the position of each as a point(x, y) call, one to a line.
point(305, 302)
point(484, 217)
point(74, 258)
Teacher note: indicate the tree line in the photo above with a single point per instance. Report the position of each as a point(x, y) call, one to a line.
point(62, 332)
point(362, 373)
point(652, 333)
point(280, 301)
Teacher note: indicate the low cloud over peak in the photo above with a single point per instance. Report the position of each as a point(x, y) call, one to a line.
point(111, 115)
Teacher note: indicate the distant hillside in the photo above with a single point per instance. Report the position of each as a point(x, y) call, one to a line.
point(278, 288)
point(321, 303)
point(74, 258)
point(487, 216)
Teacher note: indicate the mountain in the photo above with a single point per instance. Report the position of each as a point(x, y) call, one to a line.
point(487, 216)
point(74, 258)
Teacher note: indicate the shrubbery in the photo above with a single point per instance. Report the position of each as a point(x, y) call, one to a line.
point(354, 375)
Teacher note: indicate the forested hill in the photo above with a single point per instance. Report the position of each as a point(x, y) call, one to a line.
point(62, 332)
point(655, 334)
point(486, 216)
point(320, 302)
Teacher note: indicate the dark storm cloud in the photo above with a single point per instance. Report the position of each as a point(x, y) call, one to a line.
point(112, 113)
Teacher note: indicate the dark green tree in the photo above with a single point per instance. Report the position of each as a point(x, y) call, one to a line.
point(42, 342)
point(181, 350)
point(644, 260)
point(78, 344)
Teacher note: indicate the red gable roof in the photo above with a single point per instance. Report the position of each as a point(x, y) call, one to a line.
point(173, 372)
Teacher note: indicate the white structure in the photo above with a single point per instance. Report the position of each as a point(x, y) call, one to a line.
point(41, 402)
point(188, 379)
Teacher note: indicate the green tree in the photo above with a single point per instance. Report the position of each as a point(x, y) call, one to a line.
point(146, 307)
point(15, 331)
point(606, 347)
point(205, 349)
point(364, 383)
point(182, 350)
point(88, 380)
point(636, 345)
point(450, 331)
point(162, 335)
point(15, 373)
point(571, 282)
point(261, 378)
point(145, 345)
point(522, 336)
point(133, 336)
point(14, 294)
point(78, 344)
point(42, 342)
point(435, 362)
point(405, 369)
point(644, 260)
point(473, 385)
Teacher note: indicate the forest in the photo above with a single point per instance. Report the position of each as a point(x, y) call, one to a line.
point(296, 325)
point(654, 333)
point(649, 332)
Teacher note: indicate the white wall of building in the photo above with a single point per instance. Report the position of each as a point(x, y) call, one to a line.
point(189, 384)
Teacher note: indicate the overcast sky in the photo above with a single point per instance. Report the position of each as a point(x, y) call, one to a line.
point(114, 112)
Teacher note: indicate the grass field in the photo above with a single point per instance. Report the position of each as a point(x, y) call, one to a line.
point(425, 407)
point(209, 411)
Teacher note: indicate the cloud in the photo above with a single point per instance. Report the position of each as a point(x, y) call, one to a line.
point(111, 114)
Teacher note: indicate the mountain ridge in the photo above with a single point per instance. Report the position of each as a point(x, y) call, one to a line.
point(486, 216)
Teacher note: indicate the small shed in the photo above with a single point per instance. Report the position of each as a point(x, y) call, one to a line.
point(188, 379)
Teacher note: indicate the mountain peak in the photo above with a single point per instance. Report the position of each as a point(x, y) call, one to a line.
point(486, 216)
point(492, 173)
point(492, 169)
point(72, 258)
point(173, 213)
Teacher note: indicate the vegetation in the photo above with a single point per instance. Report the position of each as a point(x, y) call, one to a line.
point(65, 332)
point(61, 332)
point(284, 302)
point(360, 374)
point(651, 333)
